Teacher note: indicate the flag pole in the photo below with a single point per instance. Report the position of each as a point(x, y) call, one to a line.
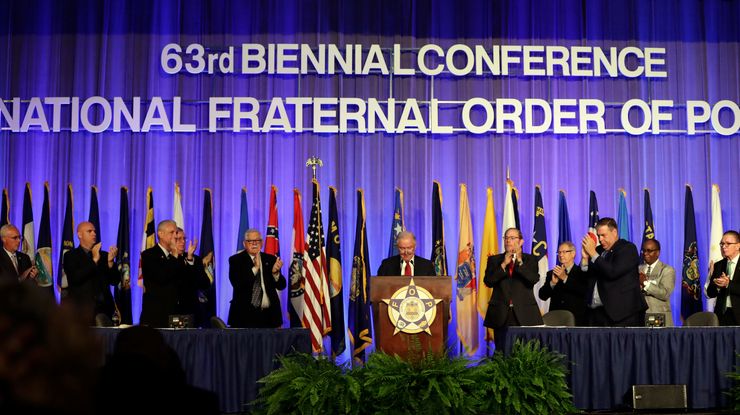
point(313, 162)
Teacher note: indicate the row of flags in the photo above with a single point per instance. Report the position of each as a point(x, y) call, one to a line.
point(315, 273)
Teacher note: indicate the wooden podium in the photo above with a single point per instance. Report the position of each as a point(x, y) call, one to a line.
point(382, 288)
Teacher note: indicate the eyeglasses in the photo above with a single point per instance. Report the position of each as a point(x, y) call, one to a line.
point(253, 241)
point(649, 251)
point(511, 238)
point(16, 237)
point(728, 243)
point(565, 252)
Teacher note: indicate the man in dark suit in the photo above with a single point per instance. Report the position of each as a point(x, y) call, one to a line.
point(163, 274)
point(90, 273)
point(512, 275)
point(255, 277)
point(566, 285)
point(15, 266)
point(724, 284)
point(614, 296)
point(191, 287)
point(406, 263)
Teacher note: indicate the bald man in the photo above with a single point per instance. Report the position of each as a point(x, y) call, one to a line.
point(90, 272)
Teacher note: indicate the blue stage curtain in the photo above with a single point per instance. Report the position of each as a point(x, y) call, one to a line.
point(112, 48)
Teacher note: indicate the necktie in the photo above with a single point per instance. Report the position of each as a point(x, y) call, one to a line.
point(257, 287)
point(257, 290)
point(730, 269)
point(511, 268)
point(407, 269)
point(649, 270)
point(14, 258)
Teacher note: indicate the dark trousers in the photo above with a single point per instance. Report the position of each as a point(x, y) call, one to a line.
point(597, 317)
point(727, 318)
point(499, 333)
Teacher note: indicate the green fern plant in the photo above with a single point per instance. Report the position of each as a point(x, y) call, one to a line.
point(429, 384)
point(307, 385)
point(531, 380)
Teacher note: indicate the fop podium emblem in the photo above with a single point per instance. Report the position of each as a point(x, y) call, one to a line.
point(412, 309)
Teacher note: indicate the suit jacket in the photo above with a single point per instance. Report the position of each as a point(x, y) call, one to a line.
point(163, 276)
point(658, 294)
point(195, 279)
point(618, 279)
point(242, 313)
point(89, 283)
point(8, 274)
point(515, 291)
point(391, 267)
point(732, 290)
point(569, 295)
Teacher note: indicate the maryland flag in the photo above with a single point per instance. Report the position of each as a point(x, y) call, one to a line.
point(334, 256)
point(147, 239)
point(466, 280)
point(316, 314)
point(68, 242)
point(439, 252)
point(45, 277)
point(358, 328)
point(489, 247)
point(123, 242)
point(297, 271)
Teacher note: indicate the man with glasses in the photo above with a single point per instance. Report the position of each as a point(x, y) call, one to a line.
point(163, 274)
point(724, 284)
point(566, 285)
point(189, 298)
point(15, 266)
point(255, 276)
point(614, 296)
point(406, 263)
point(657, 280)
point(512, 275)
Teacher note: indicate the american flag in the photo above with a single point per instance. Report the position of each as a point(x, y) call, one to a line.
point(316, 315)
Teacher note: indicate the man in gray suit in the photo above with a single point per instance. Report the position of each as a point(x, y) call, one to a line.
point(657, 280)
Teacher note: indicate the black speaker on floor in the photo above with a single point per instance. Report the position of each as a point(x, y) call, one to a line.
point(659, 397)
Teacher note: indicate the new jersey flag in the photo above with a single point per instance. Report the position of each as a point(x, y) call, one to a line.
point(466, 280)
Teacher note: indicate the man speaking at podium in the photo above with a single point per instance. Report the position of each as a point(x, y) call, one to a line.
point(406, 263)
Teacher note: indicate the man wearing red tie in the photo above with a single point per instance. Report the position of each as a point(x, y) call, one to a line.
point(512, 275)
point(406, 263)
